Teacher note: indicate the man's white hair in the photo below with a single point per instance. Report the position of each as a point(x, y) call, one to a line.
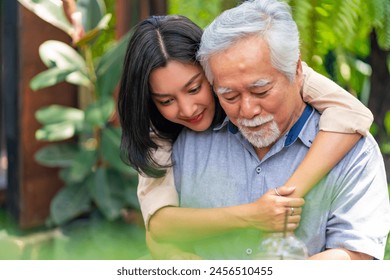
point(268, 19)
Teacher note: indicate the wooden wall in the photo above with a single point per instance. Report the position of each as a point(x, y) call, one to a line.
point(31, 186)
point(130, 12)
point(38, 184)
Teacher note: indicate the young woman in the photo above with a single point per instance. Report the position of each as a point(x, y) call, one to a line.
point(163, 88)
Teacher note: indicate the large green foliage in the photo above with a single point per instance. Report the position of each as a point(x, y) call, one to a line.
point(202, 12)
point(336, 40)
point(335, 37)
point(91, 168)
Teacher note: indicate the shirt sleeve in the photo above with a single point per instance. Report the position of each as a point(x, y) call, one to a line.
point(359, 218)
point(341, 111)
point(156, 193)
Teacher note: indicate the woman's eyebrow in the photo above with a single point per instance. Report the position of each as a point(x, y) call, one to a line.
point(160, 94)
point(186, 85)
point(192, 79)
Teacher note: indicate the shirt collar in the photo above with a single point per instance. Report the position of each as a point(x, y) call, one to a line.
point(230, 126)
point(295, 131)
point(225, 122)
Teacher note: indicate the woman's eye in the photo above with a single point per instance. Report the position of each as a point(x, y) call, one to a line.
point(195, 90)
point(166, 102)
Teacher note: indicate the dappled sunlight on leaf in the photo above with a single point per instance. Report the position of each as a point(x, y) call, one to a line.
point(58, 113)
point(50, 11)
point(56, 132)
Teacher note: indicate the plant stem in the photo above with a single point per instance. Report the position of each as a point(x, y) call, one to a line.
point(91, 70)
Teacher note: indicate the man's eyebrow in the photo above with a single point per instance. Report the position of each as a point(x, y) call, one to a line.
point(222, 90)
point(259, 83)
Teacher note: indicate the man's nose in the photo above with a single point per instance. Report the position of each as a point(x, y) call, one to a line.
point(249, 107)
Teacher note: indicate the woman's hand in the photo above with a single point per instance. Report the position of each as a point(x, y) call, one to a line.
point(269, 211)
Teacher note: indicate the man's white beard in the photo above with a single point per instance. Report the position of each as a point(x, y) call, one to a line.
point(263, 137)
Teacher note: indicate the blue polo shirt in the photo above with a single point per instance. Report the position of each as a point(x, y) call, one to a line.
point(349, 208)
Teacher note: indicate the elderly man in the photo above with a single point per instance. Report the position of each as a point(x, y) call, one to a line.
point(251, 56)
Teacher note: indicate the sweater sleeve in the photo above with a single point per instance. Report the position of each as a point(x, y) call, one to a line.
point(156, 193)
point(341, 111)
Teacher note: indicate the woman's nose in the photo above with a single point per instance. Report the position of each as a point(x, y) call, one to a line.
point(187, 108)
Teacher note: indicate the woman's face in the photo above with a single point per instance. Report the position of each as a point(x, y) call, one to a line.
point(183, 95)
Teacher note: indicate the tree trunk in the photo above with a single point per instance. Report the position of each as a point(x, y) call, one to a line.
point(379, 102)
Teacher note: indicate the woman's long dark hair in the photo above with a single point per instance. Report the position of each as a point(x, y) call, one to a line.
point(156, 41)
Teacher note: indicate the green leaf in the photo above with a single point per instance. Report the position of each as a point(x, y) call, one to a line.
point(110, 142)
point(70, 202)
point(385, 148)
point(58, 114)
point(374, 129)
point(322, 11)
point(103, 23)
point(64, 174)
point(98, 113)
point(50, 77)
point(50, 11)
point(130, 194)
point(82, 165)
point(95, 32)
point(92, 11)
point(383, 31)
point(56, 132)
point(57, 155)
point(109, 67)
point(58, 54)
point(107, 195)
point(79, 79)
point(387, 122)
point(127, 186)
